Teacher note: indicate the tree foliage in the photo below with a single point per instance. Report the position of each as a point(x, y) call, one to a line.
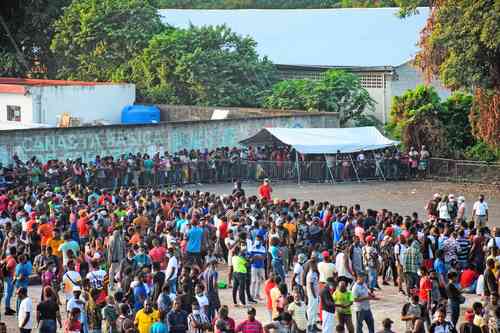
point(460, 44)
point(338, 91)
point(272, 4)
point(204, 66)
point(95, 39)
point(27, 26)
point(419, 117)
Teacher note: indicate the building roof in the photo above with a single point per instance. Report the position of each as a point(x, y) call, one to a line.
point(14, 85)
point(319, 37)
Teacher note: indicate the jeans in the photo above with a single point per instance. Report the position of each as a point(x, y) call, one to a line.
point(454, 311)
point(48, 326)
point(277, 266)
point(367, 317)
point(239, 281)
point(9, 291)
point(372, 277)
point(411, 281)
point(173, 285)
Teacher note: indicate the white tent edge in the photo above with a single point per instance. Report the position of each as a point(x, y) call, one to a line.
point(329, 140)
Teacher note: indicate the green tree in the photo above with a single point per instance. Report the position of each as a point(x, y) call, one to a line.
point(202, 66)
point(415, 120)
point(460, 44)
point(26, 29)
point(96, 39)
point(338, 91)
point(455, 118)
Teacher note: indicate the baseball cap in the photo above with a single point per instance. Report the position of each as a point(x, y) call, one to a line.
point(325, 254)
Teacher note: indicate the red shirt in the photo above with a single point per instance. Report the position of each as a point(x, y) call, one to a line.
point(425, 288)
point(265, 191)
point(267, 291)
point(467, 277)
point(157, 254)
point(250, 327)
point(11, 263)
point(223, 230)
point(83, 227)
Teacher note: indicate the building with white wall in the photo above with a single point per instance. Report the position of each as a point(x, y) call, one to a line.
point(31, 102)
point(374, 43)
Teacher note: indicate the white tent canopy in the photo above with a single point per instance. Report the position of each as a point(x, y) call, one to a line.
point(323, 140)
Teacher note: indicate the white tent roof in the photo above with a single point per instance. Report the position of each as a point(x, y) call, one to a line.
point(323, 140)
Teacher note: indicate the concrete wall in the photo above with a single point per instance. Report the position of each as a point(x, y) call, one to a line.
point(408, 77)
point(193, 112)
point(378, 96)
point(90, 103)
point(25, 102)
point(86, 142)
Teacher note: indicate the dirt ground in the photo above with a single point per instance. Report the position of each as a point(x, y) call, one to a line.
point(402, 197)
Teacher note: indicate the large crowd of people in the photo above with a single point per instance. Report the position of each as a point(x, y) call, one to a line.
point(147, 260)
point(220, 165)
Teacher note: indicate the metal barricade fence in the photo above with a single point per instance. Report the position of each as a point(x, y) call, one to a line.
point(464, 171)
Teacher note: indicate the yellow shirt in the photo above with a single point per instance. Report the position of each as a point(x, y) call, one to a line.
point(54, 244)
point(143, 320)
point(292, 230)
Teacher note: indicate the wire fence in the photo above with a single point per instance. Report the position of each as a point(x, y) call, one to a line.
point(463, 171)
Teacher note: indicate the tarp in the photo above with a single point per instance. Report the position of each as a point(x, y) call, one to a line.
point(323, 140)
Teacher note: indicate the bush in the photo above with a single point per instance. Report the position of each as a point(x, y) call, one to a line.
point(482, 152)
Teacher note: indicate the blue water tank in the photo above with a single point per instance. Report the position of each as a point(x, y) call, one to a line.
point(140, 114)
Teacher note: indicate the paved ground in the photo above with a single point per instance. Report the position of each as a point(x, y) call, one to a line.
point(403, 197)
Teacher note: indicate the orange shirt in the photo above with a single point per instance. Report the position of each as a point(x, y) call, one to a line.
point(46, 232)
point(135, 239)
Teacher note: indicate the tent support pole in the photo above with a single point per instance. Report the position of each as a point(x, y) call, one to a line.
point(330, 172)
point(377, 167)
point(354, 167)
point(298, 166)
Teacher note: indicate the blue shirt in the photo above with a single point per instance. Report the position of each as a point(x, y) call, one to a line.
point(140, 294)
point(258, 251)
point(275, 253)
point(338, 228)
point(25, 270)
point(440, 268)
point(195, 236)
point(180, 223)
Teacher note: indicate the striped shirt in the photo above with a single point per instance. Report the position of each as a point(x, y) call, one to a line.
point(250, 327)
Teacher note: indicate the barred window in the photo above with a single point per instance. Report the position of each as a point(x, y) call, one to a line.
point(372, 80)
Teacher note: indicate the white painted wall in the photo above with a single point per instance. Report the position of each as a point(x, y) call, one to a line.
point(25, 102)
point(89, 103)
point(378, 95)
point(408, 77)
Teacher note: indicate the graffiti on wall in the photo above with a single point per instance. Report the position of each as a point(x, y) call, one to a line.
point(117, 140)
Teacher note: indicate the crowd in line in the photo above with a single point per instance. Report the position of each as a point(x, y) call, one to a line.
point(145, 260)
point(219, 165)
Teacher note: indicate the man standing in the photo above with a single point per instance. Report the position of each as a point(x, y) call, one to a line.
point(328, 306)
point(258, 255)
point(194, 244)
point(116, 253)
point(145, 317)
point(480, 212)
point(26, 317)
point(412, 262)
point(265, 190)
point(312, 288)
point(251, 325)
point(362, 297)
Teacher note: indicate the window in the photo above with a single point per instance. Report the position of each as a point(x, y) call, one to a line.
point(13, 113)
point(371, 80)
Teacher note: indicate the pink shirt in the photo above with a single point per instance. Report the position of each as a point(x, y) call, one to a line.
point(157, 254)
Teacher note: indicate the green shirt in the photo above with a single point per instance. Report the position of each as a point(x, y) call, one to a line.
point(239, 264)
point(343, 298)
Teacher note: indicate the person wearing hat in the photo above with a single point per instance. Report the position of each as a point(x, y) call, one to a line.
point(370, 261)
point(387, 324)
point(462, 209)
point(468, 326)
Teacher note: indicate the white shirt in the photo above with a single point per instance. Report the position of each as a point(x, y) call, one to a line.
point(172, 266)
point(203, 302)
point(480, 208)
point(340, 265)
point(69, 279)
point(326, 270)
point(96, 278)
point(298, 270)
point(26, 307)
